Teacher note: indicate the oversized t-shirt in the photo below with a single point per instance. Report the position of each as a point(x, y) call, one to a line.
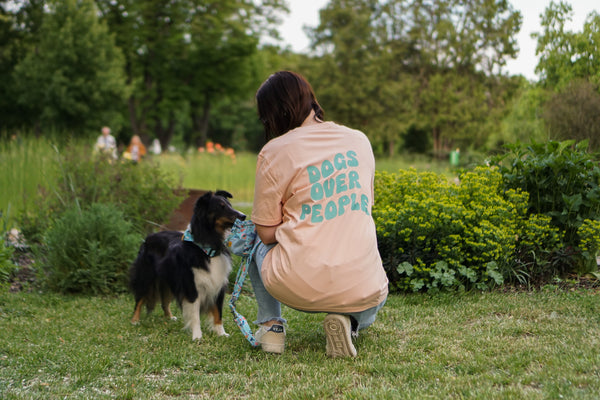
point(316, 183)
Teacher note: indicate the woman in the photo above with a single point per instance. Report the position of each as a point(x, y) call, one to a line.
point(312, 211)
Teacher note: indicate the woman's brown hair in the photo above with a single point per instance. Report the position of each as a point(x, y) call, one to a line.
point(284, 101)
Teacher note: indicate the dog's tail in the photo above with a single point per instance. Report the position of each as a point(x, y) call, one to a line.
point(143, 279)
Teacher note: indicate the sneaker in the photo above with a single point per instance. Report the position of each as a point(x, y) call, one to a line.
point(337, 329)
point(271, 338)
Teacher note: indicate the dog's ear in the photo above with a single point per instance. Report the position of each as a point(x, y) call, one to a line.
point(203, 202)
point(223, 193)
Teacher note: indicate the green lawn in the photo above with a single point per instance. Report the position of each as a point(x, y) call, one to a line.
point(543, 345)
point(500, 345)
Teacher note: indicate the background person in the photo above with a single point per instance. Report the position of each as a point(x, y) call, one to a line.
point(136, 149)
point(106, 144)
point(312, 211)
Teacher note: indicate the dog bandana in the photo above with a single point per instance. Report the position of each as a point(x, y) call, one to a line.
point(187, 237)
point(242, 241)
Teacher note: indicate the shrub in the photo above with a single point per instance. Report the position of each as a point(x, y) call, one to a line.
point(90, 251)
point(562, 180)
point(435, 234)
point(536, 251)
point(142, 192)
point(7, 267)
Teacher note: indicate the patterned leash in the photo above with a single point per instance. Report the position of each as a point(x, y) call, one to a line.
point(242, 241)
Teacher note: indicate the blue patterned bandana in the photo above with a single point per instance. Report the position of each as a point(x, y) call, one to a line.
point(187, 237)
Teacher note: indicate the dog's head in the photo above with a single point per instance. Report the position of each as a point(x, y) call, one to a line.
point(213, 216)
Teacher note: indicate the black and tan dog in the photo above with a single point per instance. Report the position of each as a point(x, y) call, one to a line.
point(192, 267)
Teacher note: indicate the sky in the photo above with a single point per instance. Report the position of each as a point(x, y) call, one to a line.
point(306, 13)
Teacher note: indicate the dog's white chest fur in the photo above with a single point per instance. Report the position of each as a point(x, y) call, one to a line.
point(208, 284)
point(212, 281)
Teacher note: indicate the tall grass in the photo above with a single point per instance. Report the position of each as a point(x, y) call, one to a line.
point(416, 161)
point(25, 163)
point(214, 171)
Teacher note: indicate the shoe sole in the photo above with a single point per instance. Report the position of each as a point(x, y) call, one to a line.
point(337, 331)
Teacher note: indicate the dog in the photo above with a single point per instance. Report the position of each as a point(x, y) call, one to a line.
point(191, 267)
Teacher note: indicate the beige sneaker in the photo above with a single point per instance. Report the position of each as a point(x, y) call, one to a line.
point(339, 342)
point(271, 339)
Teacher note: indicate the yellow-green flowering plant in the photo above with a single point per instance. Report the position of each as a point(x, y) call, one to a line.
point(440, 234)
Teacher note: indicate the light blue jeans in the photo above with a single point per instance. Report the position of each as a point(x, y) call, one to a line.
point(269, 308)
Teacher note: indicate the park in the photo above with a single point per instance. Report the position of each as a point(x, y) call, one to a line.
point(486, 195)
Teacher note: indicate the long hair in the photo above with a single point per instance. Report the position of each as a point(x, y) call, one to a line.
point(284, 101)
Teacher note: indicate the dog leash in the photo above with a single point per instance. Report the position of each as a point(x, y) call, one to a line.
point(242, 241)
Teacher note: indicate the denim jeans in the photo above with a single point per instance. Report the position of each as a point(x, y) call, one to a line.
point(269, 308)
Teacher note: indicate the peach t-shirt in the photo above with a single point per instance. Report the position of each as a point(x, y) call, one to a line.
point(317, 182)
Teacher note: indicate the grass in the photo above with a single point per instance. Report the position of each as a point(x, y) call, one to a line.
point(25, 164)
point(542, 345)
point(28, 162)
point(529, 345)
point(214, 171)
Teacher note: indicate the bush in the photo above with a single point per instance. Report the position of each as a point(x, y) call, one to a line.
point(90, 251)
point(562, 180)
point(7, 267)
point(142, 192)
point(435, 234)
point(536, 252)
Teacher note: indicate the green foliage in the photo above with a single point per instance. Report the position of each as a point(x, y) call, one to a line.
point(565, 55)
point(410, 65)
point(186, 57)
point(589, 240)
point(574, 113)
point(26, 162)
point(562, 180)
point(143, 192)
point(536, 257)
point(6, 252)
point(523, 121)
point(7, 267)
point(74, 77)
point(436, 234)
point(89, 251)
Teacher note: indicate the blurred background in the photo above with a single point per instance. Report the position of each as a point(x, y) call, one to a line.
point(418, 77)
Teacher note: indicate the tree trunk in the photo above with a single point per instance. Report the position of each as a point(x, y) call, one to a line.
point(133, 120)
point(437, 143)
point(164, 134)
point(200, 121)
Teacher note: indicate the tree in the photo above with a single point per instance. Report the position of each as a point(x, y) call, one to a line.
point(574, 113)
point(390, 65)
point(564, 55)
point(185, 56)
point(524, 121)
point(73, 78)
point(19, 24)
point(569, 66)
point(465, 35)
point(355, 76)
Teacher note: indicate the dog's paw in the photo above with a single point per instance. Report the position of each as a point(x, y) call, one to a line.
point(197, 336)
point(134, 323)
point(173, 318)
point(219, 330)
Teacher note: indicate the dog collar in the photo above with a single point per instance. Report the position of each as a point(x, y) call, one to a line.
point(187, 237)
